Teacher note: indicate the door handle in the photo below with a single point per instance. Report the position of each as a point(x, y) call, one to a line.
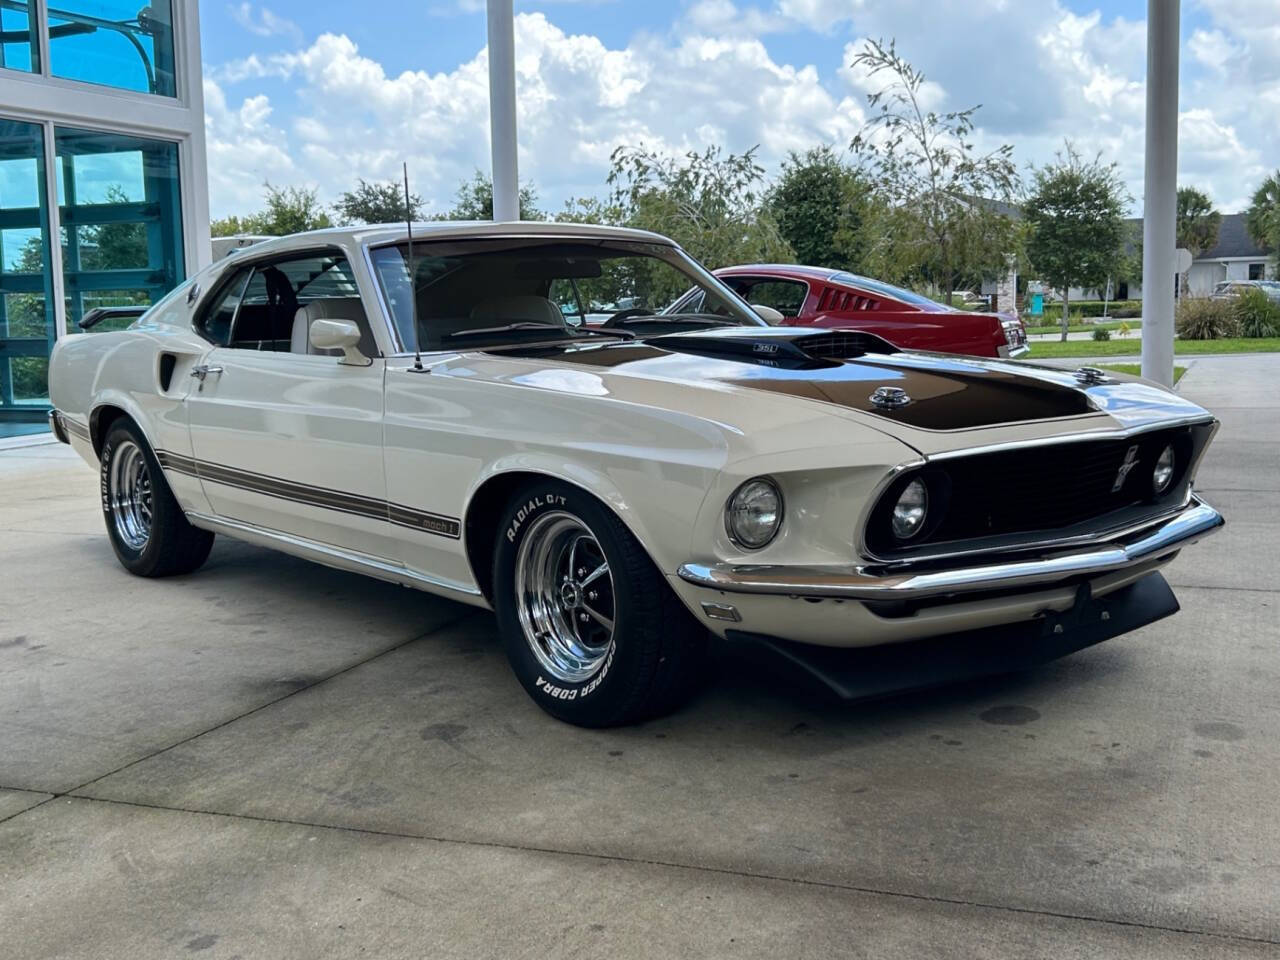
point(203, 370)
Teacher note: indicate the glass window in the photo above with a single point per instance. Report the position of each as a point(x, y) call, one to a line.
point(785, 296)
point(19, 49)
point(121, 216)
point(482, 293)
point(26, 284)
point(283, 297)
point(215, 323)
point(885, 289)
point(119, 43)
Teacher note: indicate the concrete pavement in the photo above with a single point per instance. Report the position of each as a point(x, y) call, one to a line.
point(272, 759)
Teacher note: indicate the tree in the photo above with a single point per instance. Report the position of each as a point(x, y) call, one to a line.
point(289, 210)
point(1198, 225)
point(377, 203)
point(825, 209)
point(1198, 222)
point(709, 203)
point(950, 202)
point(474, 201)
point(1076, 216)
point(1262, 219)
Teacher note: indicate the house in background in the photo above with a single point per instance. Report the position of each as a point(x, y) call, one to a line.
point(1235, 257)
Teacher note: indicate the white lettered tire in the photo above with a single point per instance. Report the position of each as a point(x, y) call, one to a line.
point(147, 528)
point(590, 626)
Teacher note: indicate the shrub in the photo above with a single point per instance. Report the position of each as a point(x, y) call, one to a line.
point(1101, 333)
point(1257, 315)
point(1200, 318)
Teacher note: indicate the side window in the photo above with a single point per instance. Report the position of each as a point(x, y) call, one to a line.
point(785, 296)
point(215, 322)
point(284, 297)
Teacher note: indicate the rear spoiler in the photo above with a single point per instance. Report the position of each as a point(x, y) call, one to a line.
point(98, 314)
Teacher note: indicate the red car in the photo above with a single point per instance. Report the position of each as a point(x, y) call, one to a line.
point(813, 296)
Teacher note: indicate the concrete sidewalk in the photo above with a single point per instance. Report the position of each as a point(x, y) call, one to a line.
point(272, 759)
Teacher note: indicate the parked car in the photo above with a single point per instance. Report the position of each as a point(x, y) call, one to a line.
point(424, 414)
point(817, 297)
point(1232, 289)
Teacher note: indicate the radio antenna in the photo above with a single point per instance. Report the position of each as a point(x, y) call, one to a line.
point(413, 286)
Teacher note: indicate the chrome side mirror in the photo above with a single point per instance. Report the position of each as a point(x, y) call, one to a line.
point(338, 335)
point(768, 314)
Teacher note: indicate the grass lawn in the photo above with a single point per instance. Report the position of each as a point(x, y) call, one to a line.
point(1135, 325)
point(1136, 369)
point(1043, 349)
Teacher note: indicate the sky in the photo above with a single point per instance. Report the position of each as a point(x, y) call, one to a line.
point(321, 92)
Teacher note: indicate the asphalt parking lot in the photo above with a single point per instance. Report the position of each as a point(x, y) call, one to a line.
point(273, 759)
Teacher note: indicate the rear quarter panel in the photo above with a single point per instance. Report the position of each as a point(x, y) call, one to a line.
point(91, 372)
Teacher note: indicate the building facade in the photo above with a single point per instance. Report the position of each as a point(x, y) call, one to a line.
point(102, 147)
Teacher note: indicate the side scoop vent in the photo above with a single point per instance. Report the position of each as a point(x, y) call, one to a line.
point(843, 345)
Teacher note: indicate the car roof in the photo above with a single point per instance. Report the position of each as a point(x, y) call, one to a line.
point(778, 269)
point(456, 229)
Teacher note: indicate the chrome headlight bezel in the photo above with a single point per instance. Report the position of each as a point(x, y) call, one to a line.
point(916, 485)
point(737, 500)
point(1166, 465)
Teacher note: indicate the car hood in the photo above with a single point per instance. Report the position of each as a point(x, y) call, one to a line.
point(945, 393)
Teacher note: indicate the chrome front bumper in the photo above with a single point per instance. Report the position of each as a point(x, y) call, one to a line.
point(901, 582)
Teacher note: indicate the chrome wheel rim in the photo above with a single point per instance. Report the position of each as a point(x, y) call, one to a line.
point(565, 597)
point(129, 495)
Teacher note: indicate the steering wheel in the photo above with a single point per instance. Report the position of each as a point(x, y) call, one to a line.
point(619, 315)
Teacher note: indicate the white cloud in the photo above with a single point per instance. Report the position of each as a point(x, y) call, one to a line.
point(578, 100)
point(1041, 72)
point(262, 22)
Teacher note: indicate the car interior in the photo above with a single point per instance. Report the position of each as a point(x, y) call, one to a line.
point(270, 306)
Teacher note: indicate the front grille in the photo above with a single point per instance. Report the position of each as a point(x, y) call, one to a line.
point(1034, 490)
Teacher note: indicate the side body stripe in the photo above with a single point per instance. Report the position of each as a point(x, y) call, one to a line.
point(338, 500)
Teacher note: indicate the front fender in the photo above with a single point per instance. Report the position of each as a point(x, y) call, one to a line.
point(662, 517)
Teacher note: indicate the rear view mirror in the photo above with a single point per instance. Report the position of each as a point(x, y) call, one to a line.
point(338, 335)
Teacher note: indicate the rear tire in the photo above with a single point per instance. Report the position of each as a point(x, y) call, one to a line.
point(148, 531)
point(591, 628)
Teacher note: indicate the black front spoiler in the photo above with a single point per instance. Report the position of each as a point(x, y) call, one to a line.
point(862, 673)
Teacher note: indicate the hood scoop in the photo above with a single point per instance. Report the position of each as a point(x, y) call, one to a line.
point(778, 347)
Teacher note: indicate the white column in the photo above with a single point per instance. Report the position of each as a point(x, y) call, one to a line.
point(1160, 189)
point(502, 110)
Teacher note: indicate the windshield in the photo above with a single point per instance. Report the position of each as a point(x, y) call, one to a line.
point(490, 292)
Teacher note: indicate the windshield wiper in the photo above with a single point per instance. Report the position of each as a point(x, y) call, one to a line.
point(708, 318)
point(524, 325)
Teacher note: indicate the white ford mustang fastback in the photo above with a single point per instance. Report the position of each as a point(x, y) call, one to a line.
point(615, 492)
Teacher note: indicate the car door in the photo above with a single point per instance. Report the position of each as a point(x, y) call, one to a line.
point(285, 437)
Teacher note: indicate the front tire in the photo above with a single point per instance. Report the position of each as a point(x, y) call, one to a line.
point(591, 629)
point(148, 530)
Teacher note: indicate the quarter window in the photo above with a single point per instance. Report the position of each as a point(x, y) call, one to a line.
point(785, 296)
point(215, 324)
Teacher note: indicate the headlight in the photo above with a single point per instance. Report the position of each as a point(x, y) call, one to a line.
point(1162, 475)
point(754, 513)
point(910, 510)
